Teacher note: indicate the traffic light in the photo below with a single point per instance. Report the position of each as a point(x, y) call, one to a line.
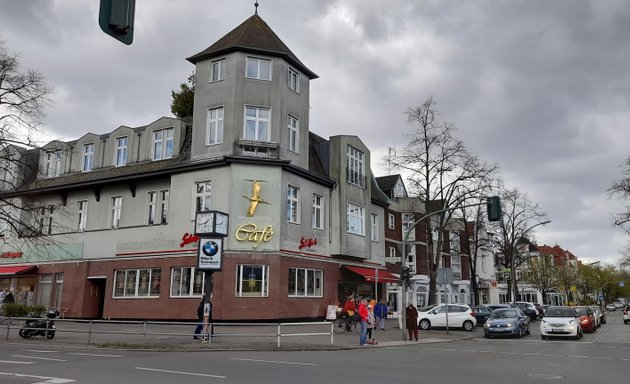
point(404, 276)
point(494, 208)
point(116, 19)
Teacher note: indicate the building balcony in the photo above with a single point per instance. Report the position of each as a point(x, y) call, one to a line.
point(253, 148)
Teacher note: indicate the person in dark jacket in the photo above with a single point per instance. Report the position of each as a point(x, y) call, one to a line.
point(200, 318)
point(412, 321)
point(9, 298)
point(380, 312)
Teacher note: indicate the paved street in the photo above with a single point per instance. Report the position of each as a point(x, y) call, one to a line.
point(471, 360)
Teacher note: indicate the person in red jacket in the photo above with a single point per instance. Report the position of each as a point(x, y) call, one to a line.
point(363, 314)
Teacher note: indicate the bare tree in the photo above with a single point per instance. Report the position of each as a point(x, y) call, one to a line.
point(620, 189)
point(541, 274)
point(441, 172)
point(24, 96)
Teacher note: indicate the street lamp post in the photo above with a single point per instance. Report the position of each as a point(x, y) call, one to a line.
point(513, 256)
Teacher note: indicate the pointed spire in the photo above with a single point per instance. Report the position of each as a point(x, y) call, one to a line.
point(256, 8)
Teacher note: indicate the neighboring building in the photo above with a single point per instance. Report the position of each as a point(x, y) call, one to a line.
point(305, 212)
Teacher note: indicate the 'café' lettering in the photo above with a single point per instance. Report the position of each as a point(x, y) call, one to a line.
point(250, 232)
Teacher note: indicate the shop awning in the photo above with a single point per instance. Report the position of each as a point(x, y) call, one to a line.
point(8, 271)
point(369, 274)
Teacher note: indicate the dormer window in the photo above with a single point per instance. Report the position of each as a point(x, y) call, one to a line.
point(53, 164)
point(163, 144)
point(259, 69)
point(214, 133)
point(217, 70)
point(294, 80)
point(257, 123)
point(121, 151)
point(354, 169)
point(88, 157)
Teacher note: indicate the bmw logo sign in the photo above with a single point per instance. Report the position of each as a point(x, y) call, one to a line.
point(210, 248)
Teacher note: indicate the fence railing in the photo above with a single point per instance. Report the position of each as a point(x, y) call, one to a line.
point(112, 331)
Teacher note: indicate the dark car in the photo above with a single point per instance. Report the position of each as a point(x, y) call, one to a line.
point(481, 313)
point(506, 322)
point(492, 307)
point(527, 308)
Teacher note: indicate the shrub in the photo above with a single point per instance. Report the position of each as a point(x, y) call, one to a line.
point(21, 310)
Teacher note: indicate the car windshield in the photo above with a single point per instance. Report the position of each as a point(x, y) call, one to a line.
point(581, 311)
point(559, 312)
point(504, 314)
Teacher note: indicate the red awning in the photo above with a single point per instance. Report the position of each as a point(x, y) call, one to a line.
point(4, 271)
point(369, 274)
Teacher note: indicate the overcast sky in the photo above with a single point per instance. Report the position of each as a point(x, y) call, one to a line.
point(542, 88)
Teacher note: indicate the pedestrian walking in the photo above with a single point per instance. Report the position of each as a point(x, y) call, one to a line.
point(363, 315)
point(200, 318)
point(380, 313)
point(371, 323)
point(9, 298)
point(412, 321)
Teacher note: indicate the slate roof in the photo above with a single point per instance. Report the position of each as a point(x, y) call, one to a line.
point(254, 36)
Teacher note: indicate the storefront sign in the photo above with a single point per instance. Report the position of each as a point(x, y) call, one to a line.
point(10, 255)
point(251, 233)
point(188, 238)
point(210, 252)
point(307, 242)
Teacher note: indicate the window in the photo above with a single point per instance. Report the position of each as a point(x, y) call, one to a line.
point(454, 241)
point(214, 133)
point(391, 221)
point(186, 282)
point(252, 280)
point(44, 220)
point(354, 169)
point(53, 164)
point(257, 123)
point(293, 126)
point(456, 266)
point(392, 252)
point(374, 226)
point(305, 282)
point(294, 80)
point(407, 222)
point(157, 200)
point(137, 282)
point(163, 144)
point(82, 206)
point(115, 212)
point(151, 200)
point(293, 204)
point(164, 196)
point(88, 157)
point(355, 219)
point(217, 70)
point(4, 227)
point(121, 151)
point(44, 289)
point(318, 211)
point(203, 191)
point(258, 68)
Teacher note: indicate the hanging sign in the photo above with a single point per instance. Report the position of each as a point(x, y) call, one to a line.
point(210, 254)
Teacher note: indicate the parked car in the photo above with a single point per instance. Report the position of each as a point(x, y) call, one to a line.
point(618, 305)
point(540, 308)
point(597, 312)
point(492, 307)
point(626, 314)
point(611, 307)
point(560, 321)
point(506, 321)
point(587, 319)
point(481, 313)
point(529, 309)
point(459, 315)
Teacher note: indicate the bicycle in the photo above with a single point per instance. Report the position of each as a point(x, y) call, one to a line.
point(344, 323)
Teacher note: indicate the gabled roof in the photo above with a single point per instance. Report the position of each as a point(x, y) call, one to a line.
point(254, 36)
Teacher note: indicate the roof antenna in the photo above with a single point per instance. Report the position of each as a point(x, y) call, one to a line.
point(256, 6)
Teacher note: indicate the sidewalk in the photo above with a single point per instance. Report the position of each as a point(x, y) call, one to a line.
point(179, 336)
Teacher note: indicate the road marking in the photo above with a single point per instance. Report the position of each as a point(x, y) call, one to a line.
point(603, 358)
point(509, 353)
point(275, 362)
point(37, 358)
point(530, 354)
point(93, 354)
point(49, 380)
point(16, 362)
point(180, 372)
point(578, 356)
point(39, 351)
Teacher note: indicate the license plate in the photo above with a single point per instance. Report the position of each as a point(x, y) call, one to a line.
point(557, 330)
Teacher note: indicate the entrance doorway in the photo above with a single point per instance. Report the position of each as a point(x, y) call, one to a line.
point(97, 296)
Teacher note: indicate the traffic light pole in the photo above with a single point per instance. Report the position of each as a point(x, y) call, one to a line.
point(494, 207)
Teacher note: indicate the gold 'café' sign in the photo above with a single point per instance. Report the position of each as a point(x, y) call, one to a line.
point(250, 232)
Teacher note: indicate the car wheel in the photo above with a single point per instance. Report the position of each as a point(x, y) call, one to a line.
point(520, 331)
point(468, 325)
point(543, 337)
point(425, 324)
point(528, 331)
point(487, 336)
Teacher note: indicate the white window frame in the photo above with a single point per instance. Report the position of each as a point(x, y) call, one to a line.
point(374, 227)
point(391, 221)
point(355, 220)
point(132, 282)
point(4, 228)
point(214, 125)
point(53, 164)
point(240, 281)
point(157, 204)
point(302, 288)
point(88, 157)
point(82, 210)
point(318, 211)
point(189, 286)
point(355, 169)
point(115, 212)
point(293, 204)
point(392, 252)
point(254, 68)
point(120, 154)
point(202, 200)
point(164, 196)
point(293, 126)
point(455, 241)
point(45, 219)
point(293, 80)
point(217, 70)
point(260, 123)
point(151, 207)
point(456, 266)
point(163, 143)
point(408, 219)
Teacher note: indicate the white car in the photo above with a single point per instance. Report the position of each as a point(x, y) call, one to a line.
point(562, 322)
point(459, 315)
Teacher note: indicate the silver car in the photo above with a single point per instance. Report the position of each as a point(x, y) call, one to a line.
point(561, 321)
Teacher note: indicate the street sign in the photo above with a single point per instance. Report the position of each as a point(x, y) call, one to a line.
point(621, 283)
point(445, 276)
point(209, 254)
point(600, 298)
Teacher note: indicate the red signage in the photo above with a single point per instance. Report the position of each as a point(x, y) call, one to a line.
point(188, 238)
point(10, 255)
point(307, 242)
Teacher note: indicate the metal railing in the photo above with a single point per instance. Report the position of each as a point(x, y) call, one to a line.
point(86, 331)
